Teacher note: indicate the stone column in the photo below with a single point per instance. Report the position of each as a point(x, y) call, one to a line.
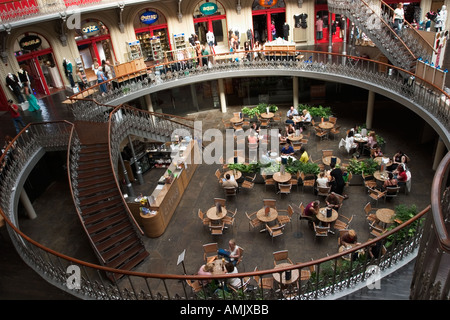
point(194, 97)
point(295, 91)
point(149, 103)
point(439, 154)
point(223, 101)
point(370, 107)
point(27, 205)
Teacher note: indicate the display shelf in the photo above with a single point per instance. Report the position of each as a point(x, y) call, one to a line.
point(134, 50)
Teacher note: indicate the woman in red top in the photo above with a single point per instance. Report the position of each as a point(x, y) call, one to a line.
point(401, 174)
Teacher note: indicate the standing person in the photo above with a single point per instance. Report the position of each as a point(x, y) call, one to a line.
point(15, 114)
point(399, 16)
point(32, 101)
point(80, 80)
point(101, 78)
point(204, 54)
point(338, 182)
point(319, 29)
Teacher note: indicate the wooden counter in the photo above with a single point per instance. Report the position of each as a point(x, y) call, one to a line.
point(166, 196)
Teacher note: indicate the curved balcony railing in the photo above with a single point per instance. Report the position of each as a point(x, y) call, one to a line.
point(330, 275)
point(389, 80)
point(431, 280)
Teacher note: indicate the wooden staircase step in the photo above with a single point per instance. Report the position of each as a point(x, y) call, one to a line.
point(103, 246)
point(94, 173)
point(93, 165)
point(104, 205)
point(124, 259)
point(119, 248)
point(96, 188)
point(95, 198)
point(132, 263)
point(94, 157)
point(105, 224)
point(96, 148)
point(94, 181)
point(95, 218)
point(102, 236)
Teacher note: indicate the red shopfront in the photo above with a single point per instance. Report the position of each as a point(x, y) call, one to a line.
point(321, 12)
point(211, 16)
point(38, 61)
point(265, 13)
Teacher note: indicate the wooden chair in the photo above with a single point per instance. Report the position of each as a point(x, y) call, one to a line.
point(275, 231)
point(219, 176)
point(340, 198)
point(263, 282)
point(391, 192)
point(277, 118)
point(309, 181)
point(216, 229)
point(321, 133)
point(369, 181)
point(284, 188)
point(294, 180)
point(376, 230)
point(248, 183)
point(268, 182)
point(221, 201)
point(335, 131)
point(242, 287)
point(230, 191)
point(376, 194)
point(271, 203)
point(205, 220)
point(228, 221)
point(285, 219)
point(297, 145)
point(264, 123)
point(320, 231)
point(323, 191)
point(241, 256)
point(210, 251)
point(369, 212)
point(304, 142)
point(253, 220)
point(333, 120)
point(281, 256)
point(195, 285)
point(227, 124)
point(343, 223)
point(350, 176)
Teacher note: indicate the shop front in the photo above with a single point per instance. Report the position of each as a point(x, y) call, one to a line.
point(326, 22)
point(37, 64)
point(150, 26)
point(269, 17)
point(210, 24)
point(94, 43)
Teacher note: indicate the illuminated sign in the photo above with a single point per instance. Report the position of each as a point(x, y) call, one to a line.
point(30, 42)
point(90, 29)
point(208, 8)
point(149, 17)
point(267, 3)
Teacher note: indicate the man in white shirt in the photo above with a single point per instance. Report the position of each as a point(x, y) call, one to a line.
point(229, 181)
point(292, 112)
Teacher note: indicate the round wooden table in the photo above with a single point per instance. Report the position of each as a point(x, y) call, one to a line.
point(295, 138)
point(327, 160)
point(261, 215)
point(381, 176)
point(322, 215)
point(360, 139)
point(326, 125)
point(219, 266)
point(282, 178)
point(266, 115)
point(385, 215)
point(281, 277)
point(231, 173)
point(236, 120)
point(212, 213)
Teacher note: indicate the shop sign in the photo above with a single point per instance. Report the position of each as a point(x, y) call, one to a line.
point(149, 17)
point(90, 29)
point(208, 8)
point(30, 42)
point(267, 3)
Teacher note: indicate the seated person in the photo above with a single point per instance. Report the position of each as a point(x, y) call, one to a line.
point(287, 149)
point(234, 282)
point(400, 173)
point(333, 202)
point(290, 120)
point(252, 138)
point(348, 238)
point(290, 129)
point(312, 209)
point(377, 152)
point(282, 135)
point(306, 116)
point(205, 270)
point(254, 127)
point(397, 159)
point(372, 140)
point(292, 112)
point(322, 180)
point(304, 155)
point(229, 181)
point(391, 181)
point(232, 254)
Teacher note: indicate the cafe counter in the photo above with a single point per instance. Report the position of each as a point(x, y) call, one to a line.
point(154, 213)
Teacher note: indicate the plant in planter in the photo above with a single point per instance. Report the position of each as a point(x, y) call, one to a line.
point(262, 107)
point(320, 112)
point(251, 112)
point(402, 214)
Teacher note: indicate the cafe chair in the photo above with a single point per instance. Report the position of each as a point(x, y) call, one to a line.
point(369, 181)
point(284, 188)
point(294, 180)
point(271, 203)
point(219, 176)
point(376, 194)
point(304, 142)
point(253, 220)
point(227, 124)
point(228, 220)
point(333, 120)
point(205, 220)
point(275, 231)
point(220, 201)
point(241, 256)
point(230, 191)
point(264, 123)
point(243, 286)
point(248, 183)
point(370, 213)
point(195, 285)
point(391, 192)
point(339, 197)
point(216, 229)
point(376, 230)
point(321, 133)
point(343, 222)
point(263, 282)
point(320, 231)
point(335, 131)
point(308, 181)
point(285, 218)
point(246, 124)
point(281, 256)
point(210, 251)
point(297, 145)
point(323, 192)
point(268, 182)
